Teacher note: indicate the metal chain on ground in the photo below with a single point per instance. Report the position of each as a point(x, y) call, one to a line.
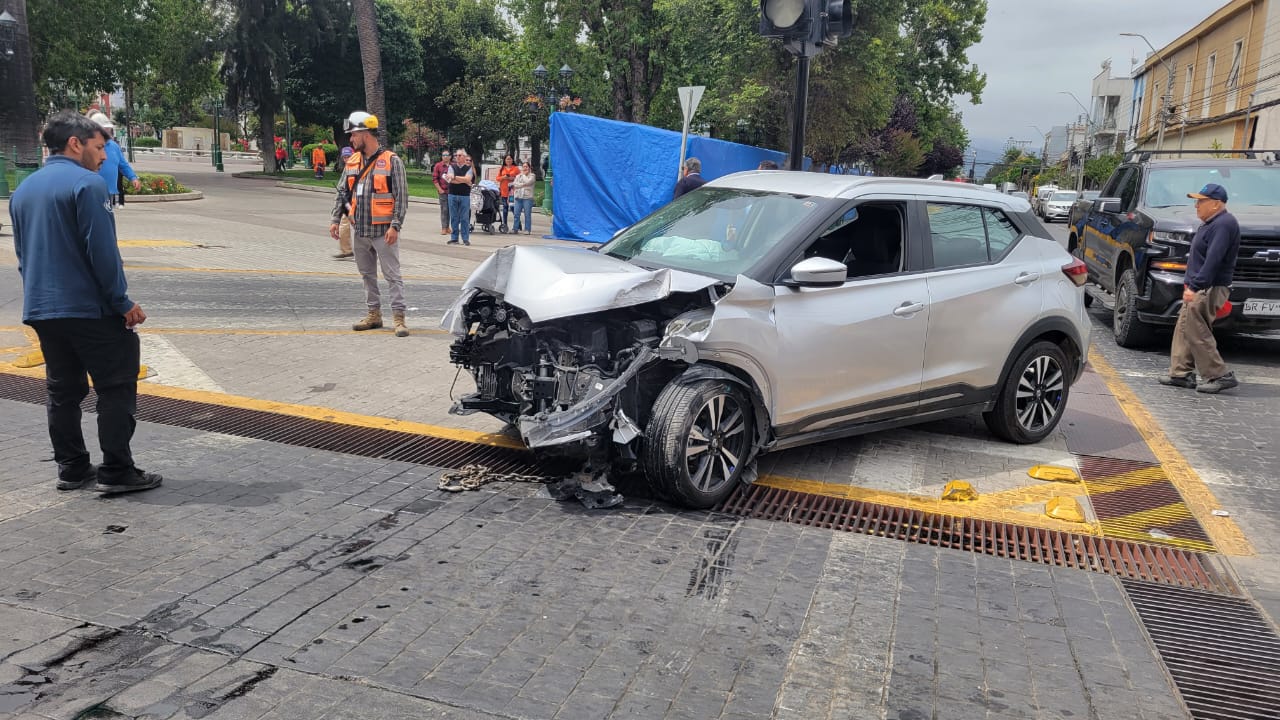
point(474, 477)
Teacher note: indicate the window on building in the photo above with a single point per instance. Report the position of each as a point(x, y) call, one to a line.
point(1233, 76)
point(1186, 88)
point(1207, 92)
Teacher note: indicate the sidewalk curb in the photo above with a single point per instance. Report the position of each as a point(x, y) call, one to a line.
point(312, 188)
point(193, 195)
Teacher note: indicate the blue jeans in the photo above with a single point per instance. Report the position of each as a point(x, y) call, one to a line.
point(524, 206)
point(460, 217)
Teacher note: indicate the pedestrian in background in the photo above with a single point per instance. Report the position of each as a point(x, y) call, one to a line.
point(374, 193)
point(1210, 266)
point(319, 160)
point(76, 298)
point(506, 174)
point(522, 192)
point(692, 178)
point(438, 172)
point(344, 225)
point(461, 177)
point(279, 158)
point(115, 165)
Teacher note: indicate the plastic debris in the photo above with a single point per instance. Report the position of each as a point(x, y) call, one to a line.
point(1222, 513)
point(1054, 473)
point(1064, 508)
point(1159, 534)
point(959, 491)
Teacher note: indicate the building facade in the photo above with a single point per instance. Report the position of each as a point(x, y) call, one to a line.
point(1110, 111)
point(1199, 91)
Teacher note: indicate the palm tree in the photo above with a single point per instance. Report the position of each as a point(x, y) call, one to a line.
point(19, 120)
point(371, 59)
point(255, 61)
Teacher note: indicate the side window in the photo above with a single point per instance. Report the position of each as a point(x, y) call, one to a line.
point(867, 239)
point(1112, 188)
point(1001, 232)
point(957, 235)
point(1129, 190)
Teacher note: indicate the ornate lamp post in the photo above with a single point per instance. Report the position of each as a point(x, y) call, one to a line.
point(8, 35)
point(553, 96)
point(217, 134)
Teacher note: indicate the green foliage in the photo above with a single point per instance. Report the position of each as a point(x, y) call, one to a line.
point(1098, 169)
point(1011, 166)
point(903, 157)
point(146, 142)
point(155, 184)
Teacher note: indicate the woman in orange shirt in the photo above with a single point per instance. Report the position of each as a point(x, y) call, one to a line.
point(506, 174)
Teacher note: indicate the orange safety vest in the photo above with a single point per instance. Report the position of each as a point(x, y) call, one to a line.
point(384, 203)
point(318, 158)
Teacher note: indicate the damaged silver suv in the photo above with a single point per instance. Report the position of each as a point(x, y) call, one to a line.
point(767, 310)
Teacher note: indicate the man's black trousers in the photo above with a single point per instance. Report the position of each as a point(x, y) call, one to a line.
point(107, 351)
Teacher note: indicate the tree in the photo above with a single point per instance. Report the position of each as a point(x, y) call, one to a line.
point(366, 15)
point(19, 121)
point(1098, 169)
point(256, 61)
point(902, 157)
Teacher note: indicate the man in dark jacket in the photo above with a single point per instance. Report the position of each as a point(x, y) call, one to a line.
point(76, 298)
point(1210, 265)
point(692, 179)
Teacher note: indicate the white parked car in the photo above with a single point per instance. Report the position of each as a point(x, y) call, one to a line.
point(767, 310)
point(1058, 205)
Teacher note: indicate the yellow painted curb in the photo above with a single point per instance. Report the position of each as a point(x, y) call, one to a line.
point(1066, 509)
point(1054, 473)
point(156, 243)
point(262, 271)
point(1223, 531)
point(32, 359)
point(959, 491)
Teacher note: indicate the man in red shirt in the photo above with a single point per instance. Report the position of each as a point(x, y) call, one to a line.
point(442, 188)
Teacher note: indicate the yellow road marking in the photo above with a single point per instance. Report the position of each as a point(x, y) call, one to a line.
point(228, 331)
point(261, 271)
point(1137, 526)
point(995, 507)
point(1223, 531)
point(308, 412)
point(156, 243)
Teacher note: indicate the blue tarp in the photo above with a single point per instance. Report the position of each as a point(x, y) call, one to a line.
point(607, 174)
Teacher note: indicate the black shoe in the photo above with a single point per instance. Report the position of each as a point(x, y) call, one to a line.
point(1182, 381)
point(140, 481)
point(452, 242)
point(89, 477)
point(1217, 385)
point(342, 255)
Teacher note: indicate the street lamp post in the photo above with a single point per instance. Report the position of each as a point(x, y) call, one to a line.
point(8, 35)
point(1164, 97)
point(553, 96)
point(217, 134)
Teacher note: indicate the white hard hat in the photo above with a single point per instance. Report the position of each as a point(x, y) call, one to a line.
point(102, 120)
point(360, 120)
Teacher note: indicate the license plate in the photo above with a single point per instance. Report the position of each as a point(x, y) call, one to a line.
point(1263, 308)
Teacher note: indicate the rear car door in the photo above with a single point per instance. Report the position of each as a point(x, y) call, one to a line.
point(986, 287)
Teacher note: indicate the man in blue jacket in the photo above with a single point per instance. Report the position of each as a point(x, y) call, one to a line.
point(76, 298)
point(115, 164)
point(1210, 267)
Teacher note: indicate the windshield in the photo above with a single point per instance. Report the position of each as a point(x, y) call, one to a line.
point(1063, 197)
point(715, 231)
point(1245, 185)
point(1091, 194)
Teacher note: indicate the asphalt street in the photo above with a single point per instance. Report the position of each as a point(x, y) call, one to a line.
point(276, 580)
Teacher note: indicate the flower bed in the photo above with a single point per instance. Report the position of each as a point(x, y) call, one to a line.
point(155, 184)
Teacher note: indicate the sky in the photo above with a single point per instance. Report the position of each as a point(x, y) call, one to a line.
point(1033, 49)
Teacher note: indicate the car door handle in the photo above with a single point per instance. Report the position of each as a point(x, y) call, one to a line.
point(1026, 278)
point(907, 309)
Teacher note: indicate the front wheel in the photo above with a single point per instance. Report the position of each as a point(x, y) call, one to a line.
point(697, 442)
point(1129, 331)
point(1033, 396)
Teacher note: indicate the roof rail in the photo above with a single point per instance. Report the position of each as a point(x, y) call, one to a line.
point(1248, 153)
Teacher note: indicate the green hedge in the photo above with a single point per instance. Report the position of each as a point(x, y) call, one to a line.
point(154, 184)
point(146, 142)
point(330, 153)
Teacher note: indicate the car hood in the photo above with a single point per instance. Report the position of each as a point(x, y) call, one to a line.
point(555, 282)
point(1254, 221)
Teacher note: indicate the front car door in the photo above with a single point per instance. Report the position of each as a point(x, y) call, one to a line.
point(1100, 244)
point(852, 353)
point(986, 287)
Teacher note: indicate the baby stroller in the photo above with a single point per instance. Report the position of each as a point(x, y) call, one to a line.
point(486, 203)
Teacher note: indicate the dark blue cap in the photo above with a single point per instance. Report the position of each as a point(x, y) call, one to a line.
point(1212, 191)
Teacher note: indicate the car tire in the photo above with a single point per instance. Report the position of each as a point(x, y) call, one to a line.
point(1088, 300)
point(1129, 331)
point(1033, 396)
point(712, 415)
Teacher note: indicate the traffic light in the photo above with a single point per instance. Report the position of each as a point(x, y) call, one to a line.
point(805, 26)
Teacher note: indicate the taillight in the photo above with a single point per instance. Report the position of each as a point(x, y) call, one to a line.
point(1076, 271)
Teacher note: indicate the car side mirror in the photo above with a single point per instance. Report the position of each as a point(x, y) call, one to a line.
point(818, 272)
point(1107, 205)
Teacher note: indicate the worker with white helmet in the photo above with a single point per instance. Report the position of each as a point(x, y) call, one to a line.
point(373, 193)
point(115, 164)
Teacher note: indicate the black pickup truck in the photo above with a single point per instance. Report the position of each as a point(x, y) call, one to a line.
point(1135, 238)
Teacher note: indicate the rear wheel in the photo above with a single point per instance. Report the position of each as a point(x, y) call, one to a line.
point(1033, 396)
point(697, 442)
point(1128, 329)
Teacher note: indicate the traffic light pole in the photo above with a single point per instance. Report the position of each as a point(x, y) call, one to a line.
point(796, 159)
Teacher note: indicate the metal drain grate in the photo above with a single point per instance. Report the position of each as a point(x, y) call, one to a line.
point(1221, 652)
point(1153, 563)
point(304, 432)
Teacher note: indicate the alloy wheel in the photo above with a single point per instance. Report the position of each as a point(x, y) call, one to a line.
point(1040, 393)
point(717, 443)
